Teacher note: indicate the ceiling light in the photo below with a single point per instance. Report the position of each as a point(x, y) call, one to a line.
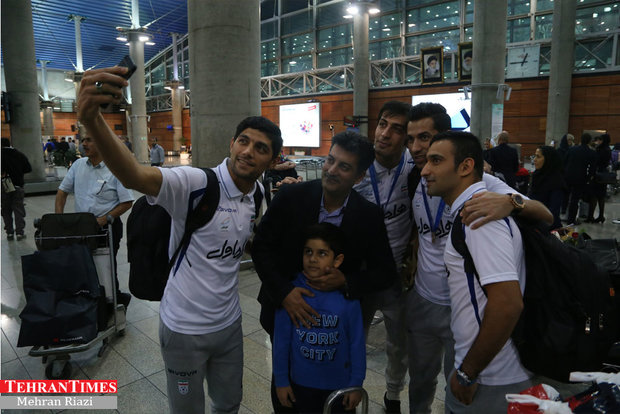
point(143, 38)
point(353, 9)
point(607, 9)
point(122, 38)
point(181, 87)
point(150, 43)
point(373, 10)
point(594, 15)
point(348, 16)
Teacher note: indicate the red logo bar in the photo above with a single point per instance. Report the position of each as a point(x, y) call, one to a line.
point(58, 386)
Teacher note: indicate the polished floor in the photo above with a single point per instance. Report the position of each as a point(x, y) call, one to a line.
point(135, 360)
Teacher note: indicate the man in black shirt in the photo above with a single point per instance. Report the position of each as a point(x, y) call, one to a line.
point(14, 166)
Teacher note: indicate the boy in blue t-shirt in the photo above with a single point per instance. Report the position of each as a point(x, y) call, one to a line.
point(311, 363)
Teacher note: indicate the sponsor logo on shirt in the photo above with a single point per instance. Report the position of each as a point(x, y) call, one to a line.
point(442, 231)
point(395, 211)
point(226, 210)
point(235, 250)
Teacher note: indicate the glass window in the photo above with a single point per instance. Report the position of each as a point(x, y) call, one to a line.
point(516, 7)
point(544, 5)
point(469, 11)
point(158, 73)
point(592, 55)
point(269, 50)
point(518, 30)
point(300, 22)
point(433, 17)
point(545, 60)
point(331, 14)
point(390, 5)
point(269, 68)
point(297, 64)
point(384, 26)
point(384, 50)
point(335, 36)
point(289, 6)
point(469, 34)
point(544, 26)
point(597, 19)
point(413, 3)
point(294, 45)
point(335, 57)
point(268, 30)
point(448, 38)
point(268, 9)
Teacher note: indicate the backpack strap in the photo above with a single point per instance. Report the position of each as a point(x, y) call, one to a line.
point(258, 200)
point(201, 215)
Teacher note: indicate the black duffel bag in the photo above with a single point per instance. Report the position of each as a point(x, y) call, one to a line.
point(62, 291)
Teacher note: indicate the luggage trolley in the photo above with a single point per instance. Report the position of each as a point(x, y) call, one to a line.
point(57, 230)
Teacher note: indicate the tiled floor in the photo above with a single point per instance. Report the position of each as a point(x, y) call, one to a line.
point(135, 360)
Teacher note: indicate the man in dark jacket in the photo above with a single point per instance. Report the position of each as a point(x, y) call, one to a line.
point(14, 166)
point(277, 249)
point(504, 159)
point(579, 169)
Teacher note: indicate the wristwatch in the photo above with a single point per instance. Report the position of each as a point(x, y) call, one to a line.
point(517, 202)
point(463, 378)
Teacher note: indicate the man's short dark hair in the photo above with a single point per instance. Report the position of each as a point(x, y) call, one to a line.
point(6, 142)
point(466, 145)
point(332, 235)
point(356, 144)
point(586, 138)
point(468, 54)
point(394, 108)
point(266, 127)
point(435, 111)
point(430, 59)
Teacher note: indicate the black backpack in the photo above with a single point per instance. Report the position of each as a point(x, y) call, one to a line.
point(569, 320)
point(148, 238)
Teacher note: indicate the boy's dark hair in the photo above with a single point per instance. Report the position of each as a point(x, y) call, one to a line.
point(265, 126)
point(435, 111)
point(394, 108)
point(332, 235)
point(466, 145)
point(586, 138)
point(356, 144)
point(430, 59)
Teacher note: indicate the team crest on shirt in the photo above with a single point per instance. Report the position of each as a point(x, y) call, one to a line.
point(404, 188)
point(225, 224)
point(183, 387)
point(253, 219)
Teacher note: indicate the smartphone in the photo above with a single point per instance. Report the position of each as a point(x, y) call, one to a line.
point(127, 63)
point(131, 68)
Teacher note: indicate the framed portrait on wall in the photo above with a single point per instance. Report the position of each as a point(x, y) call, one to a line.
point(432, 65)
point(465, 60)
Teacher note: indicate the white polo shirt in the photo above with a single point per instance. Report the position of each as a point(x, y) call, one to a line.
point(394, 199)
point(431, 278)
point(201, 295)
point(497, 252)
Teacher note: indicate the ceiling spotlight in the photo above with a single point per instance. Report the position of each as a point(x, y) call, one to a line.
point(143, 38)
point(122, 38)
point(150, 43)
point(373, 10)
point(181, 87)
point(353, 9)
point(348, 16)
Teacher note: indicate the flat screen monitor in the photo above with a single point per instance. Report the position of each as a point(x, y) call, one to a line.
point(456, 106)
point(301, 125)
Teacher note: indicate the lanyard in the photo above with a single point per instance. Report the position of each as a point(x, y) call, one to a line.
point(442, 205)
point(375, 187)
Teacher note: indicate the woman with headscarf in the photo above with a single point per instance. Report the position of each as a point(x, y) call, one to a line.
point(599, 190)
point(548, 181)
